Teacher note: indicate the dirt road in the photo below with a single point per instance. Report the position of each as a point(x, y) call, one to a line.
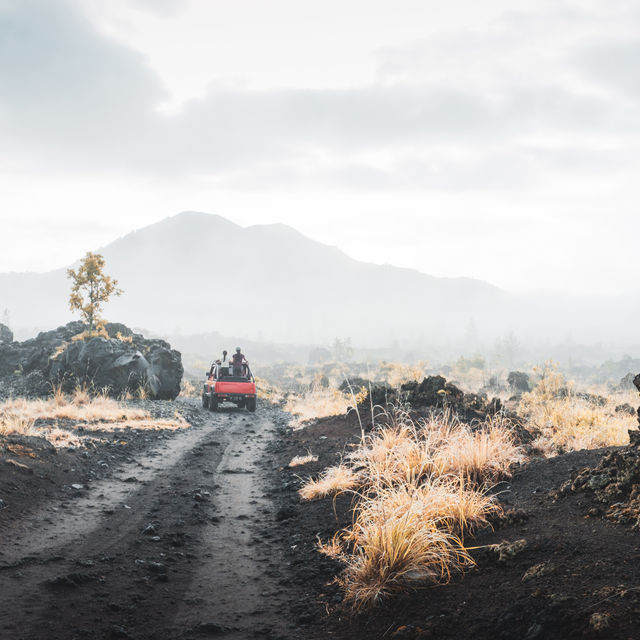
point(177, 542)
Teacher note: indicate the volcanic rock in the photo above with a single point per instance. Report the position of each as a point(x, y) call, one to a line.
point(518, 382)
point(435, 392)
point(125, 361)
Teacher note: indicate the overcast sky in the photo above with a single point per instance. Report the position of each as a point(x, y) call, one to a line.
point(495, 139)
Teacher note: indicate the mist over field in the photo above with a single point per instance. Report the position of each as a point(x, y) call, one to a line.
point(196, 274)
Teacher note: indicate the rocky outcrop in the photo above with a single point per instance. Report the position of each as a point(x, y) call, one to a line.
point(434, 392)
point(125, 361)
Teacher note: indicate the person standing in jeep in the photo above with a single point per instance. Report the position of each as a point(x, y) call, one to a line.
point(239, 363)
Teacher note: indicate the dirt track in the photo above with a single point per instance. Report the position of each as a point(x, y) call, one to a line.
point(172, 544)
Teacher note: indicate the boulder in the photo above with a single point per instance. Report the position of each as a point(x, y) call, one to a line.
point(519, 382)
point(434, 392)
point(115, 365)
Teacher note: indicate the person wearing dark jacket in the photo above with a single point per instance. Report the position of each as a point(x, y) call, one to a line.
point(239, 363)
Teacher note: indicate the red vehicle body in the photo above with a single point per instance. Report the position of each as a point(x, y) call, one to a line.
point(223, 387)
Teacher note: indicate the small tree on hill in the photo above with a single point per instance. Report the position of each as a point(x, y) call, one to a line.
point(91, 288)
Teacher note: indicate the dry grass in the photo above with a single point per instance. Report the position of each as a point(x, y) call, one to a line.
point(298, 461)
point(397, 373)
point(332, 481)
point(483, 456)
point(98, 332)
point(21, 416)
point(403, 451)
point(320, 403)
point(419, 487)
point(12, 422)
point(333, 548)
point(188, 389)
point(394, 544)
point(569, 421)
point(268, 391)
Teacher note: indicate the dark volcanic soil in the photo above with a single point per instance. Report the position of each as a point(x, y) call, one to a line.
point(170, 536)
point(585, 580)
point(200, 534)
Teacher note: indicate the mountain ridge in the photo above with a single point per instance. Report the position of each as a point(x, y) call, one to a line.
point(195, 272)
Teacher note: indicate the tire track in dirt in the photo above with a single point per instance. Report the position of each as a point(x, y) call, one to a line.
point(182, 559)
point(52, 528)
point(239, 586)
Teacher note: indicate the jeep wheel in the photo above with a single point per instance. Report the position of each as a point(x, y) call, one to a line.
point(213, 403)
point(251, 404)
point(205, 401)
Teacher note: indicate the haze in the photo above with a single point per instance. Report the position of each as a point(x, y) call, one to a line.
point(494, 140)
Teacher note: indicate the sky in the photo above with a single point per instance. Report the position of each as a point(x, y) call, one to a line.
point(496, 139)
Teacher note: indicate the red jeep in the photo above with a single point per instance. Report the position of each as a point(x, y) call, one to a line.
point(223, 386)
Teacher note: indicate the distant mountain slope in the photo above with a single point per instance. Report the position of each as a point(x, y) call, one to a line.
point(197, 273)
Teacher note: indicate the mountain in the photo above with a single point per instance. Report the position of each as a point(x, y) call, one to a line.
point(200, 273)
point(196, 272)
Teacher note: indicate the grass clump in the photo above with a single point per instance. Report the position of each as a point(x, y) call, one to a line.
point(56, 417)
point(570, 420)
point(298, 461)
point(393, 548)
point(419, 487)
point(320, 402)
point(332, 481)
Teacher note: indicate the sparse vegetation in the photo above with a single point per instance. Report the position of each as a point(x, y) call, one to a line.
point(320, 402)
point(51, 418)
point(188, 389)
point(332, 481)
point(419, 488)
point(298, 461)
point(568, 419)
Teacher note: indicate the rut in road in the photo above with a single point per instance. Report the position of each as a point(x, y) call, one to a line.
point(182, 558)
point(239, 586)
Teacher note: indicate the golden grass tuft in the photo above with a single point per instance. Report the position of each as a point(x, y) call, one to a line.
point(98, 332)
point(419, 487)
point(321, 402)
point(393, 549)
point(298, 461)
point(332, 481)
point(402, 450)
point(268, 391)
point(100, 413)
point(333, 548)
point(188, 389)
point(571, 421)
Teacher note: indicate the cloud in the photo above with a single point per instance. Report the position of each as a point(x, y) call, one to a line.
point(612, 64)
point(498, 110)
point(161, 7)
point(65, 89)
